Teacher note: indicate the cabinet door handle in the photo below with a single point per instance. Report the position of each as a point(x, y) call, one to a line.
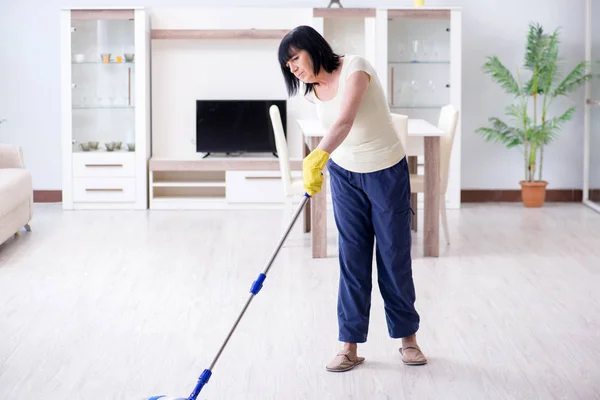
point(262, 177)
point(103, 190)
point(103, 165)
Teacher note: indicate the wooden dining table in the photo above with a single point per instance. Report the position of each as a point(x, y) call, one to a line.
point(423, 139)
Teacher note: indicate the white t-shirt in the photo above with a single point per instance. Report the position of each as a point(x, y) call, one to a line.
point(372, 143)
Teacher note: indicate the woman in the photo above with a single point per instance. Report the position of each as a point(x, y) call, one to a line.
point(370, 189)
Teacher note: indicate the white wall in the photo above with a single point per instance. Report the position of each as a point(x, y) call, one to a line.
point(30, 97)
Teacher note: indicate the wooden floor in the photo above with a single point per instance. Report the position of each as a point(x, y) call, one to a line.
point(123, 305)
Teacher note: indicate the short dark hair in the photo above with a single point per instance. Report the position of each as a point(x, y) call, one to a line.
point(308, 39)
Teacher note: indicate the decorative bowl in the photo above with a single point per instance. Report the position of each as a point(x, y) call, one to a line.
point(85, 146)
point(93, 145)
point(109, 146)
point(118, 145)
point(129, 57)
point(131, 146)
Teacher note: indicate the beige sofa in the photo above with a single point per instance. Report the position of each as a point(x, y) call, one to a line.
point(16, 192)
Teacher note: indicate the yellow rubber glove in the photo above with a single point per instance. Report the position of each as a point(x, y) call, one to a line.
point(311, 171)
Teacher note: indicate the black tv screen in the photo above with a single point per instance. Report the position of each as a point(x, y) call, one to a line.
point(236, 126)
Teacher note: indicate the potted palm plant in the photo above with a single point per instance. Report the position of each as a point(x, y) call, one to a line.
point(529, 124)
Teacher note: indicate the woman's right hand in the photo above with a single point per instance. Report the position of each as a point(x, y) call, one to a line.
point(312, 165)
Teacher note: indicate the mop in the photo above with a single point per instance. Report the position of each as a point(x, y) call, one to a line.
point(254, 289)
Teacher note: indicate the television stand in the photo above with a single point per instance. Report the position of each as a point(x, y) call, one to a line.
point(217, 182)
point(240, 155)
point(209, 153)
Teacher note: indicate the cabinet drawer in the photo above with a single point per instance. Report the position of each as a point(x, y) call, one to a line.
point(104, 164)
point(254, 187)
point(104, 190)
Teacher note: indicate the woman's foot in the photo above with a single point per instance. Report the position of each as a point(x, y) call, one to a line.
point(345, 359)
point(411, 352)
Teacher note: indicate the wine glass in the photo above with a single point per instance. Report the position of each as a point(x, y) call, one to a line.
point(416, 44)
point(426, 46)
point(414, 87)
point(431, 85)
point(401, 51)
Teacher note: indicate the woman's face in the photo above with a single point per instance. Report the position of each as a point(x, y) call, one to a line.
point(301, 66)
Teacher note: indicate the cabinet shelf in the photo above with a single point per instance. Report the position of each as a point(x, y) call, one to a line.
point(186, 197)
point(187, 184)
point(419, 62)
point(103, 107)
point(127, 63)
point(344, 12)
point(416, 107)
point(219, 33)
point(423, 13)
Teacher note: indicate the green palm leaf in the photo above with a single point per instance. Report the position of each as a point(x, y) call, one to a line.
point(549, 70)
point(534, 49)
point(551, 128)
point(518, 115)
point(501, 75)
point(501, 132)
point(572, 81)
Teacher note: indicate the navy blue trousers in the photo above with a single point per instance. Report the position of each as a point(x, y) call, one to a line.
point(372, 211)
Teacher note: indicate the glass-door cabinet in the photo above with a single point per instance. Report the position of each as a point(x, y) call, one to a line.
point(424, 64)
point(105, 107)
point(591, 168)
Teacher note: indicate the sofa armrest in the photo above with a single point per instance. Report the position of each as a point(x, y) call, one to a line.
point(11, 156)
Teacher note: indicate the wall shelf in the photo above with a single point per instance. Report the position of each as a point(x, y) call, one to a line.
point(218, 33)
point(220, 164)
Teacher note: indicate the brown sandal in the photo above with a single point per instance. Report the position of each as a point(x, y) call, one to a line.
point(344, 361)
point(412, 355)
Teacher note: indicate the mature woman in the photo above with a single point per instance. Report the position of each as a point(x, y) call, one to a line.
point(370, 189)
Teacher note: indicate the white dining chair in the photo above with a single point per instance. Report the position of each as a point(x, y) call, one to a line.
point(401, 126)
point(447, 122)
point(292, 186)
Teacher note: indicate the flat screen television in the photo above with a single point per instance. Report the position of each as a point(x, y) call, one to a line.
point(236, 126)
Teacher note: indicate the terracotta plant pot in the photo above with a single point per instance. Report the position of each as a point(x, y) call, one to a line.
point(533, 193)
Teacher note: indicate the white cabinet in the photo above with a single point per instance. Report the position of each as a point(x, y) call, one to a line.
point(423, 74)
point(105, 107)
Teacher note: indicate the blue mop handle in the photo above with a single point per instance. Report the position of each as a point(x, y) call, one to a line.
point(203, 380)
point(254, 289)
